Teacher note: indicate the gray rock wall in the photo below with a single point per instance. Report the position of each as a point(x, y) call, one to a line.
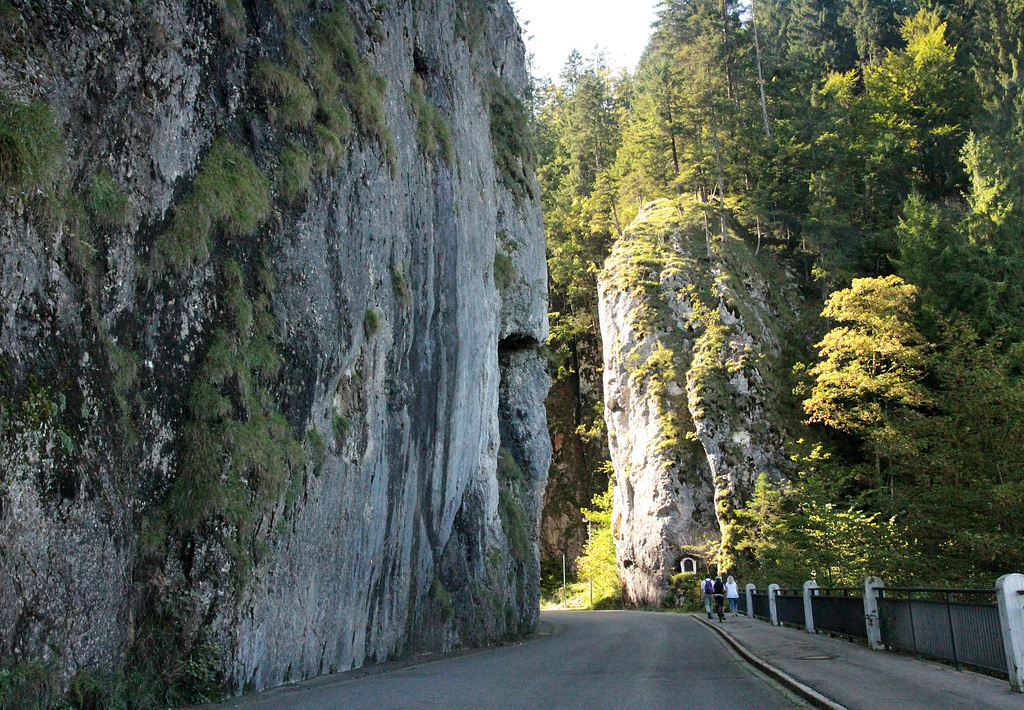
point(396, 368)
point(690, 334)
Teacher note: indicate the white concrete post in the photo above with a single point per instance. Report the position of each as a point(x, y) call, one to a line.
point(773, 590)
point(750, 600)
point(871, 623)
point(1010, 597)
point(810, 589)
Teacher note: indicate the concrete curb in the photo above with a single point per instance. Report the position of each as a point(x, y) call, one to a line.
point(807, 693)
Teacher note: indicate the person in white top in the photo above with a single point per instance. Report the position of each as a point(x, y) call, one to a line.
point(732, 593)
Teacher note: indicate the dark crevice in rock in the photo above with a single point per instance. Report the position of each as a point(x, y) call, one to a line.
point(516, 342)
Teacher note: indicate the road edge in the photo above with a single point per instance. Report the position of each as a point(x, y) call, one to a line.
point(804, 691)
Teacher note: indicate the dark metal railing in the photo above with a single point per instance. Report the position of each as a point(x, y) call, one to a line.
point(839, 610)
point(789, 606)
point(948, 624)
point(741, 603)
point(761, 609)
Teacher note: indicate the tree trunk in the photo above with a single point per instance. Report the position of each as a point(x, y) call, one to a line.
point(760, 74)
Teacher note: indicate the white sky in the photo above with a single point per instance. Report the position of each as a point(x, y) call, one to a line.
point(556, 27)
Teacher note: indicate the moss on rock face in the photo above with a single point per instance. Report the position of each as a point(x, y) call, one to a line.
point(510, 509)
point(232, 20)
point(504, 270)
point(295, 173)
point(471, 21)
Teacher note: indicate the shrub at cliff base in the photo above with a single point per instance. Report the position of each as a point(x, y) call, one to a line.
point(598, 559)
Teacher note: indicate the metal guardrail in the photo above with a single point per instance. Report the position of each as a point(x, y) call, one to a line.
point(839, 610)
point(981, 628)
point(789, 606)
point(761, 609)
point(942, 624)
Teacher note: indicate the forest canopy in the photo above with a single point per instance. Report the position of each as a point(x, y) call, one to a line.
point(875, 149)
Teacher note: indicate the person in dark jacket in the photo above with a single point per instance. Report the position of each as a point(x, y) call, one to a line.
point(719, 594)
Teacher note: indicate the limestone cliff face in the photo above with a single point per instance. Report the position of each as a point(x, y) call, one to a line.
point(691, 335)
point(273, 281)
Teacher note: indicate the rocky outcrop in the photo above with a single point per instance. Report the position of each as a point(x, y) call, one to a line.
point(691, 343)
point(273, 284)
point(578, 458)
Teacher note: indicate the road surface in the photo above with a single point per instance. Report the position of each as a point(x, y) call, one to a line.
point(579, 661)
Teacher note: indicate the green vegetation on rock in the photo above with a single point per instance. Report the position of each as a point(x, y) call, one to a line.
point(515, 156)
point(371, 322)
point(340, 72)
point(232, 20)
point(510, 508)
point(238, 451)
point(290, 99)
point(107, 201)
point(31, 150)
point(295, 172)
point(230, 194)
point(471, 20)
point(504, 270)
point(877, 148)
point(432, 131)
point(316, 446)
point(340, 426)
point(400, 285)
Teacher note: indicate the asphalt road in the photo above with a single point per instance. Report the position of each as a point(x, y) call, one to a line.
point(579, 661)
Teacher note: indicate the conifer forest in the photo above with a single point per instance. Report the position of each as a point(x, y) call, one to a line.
point(867, 153)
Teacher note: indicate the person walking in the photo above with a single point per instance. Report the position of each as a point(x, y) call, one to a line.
point(708, 588)
point(732, 593)
point(718, 590)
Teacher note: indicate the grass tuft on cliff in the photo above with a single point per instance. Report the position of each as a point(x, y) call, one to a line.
point(341, 73)
point(471, 21)
point(238, 450)
point(232, 20)
point(107, 201)
point(31, 150)
point(432, 131)
point(515, 157)
point(371, 322)
point(290, 100)
point(14, 40)
point(295, 173)
point(288, 8)
point(230, 193)
point(400, 285)
point(504, 270)
point(510, 509)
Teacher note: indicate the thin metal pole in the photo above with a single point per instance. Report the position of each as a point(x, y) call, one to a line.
point(952, 632)
point(565, 597)
point(591, 541)
point(910, 608)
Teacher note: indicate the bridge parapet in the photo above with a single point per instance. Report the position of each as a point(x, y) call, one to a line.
point(981, 628)
point(1010, 596)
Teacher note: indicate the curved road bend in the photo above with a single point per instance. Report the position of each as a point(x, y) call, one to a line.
point(589, 660)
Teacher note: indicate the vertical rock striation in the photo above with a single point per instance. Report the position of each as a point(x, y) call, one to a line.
point(691, 339)
point(272, 399)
